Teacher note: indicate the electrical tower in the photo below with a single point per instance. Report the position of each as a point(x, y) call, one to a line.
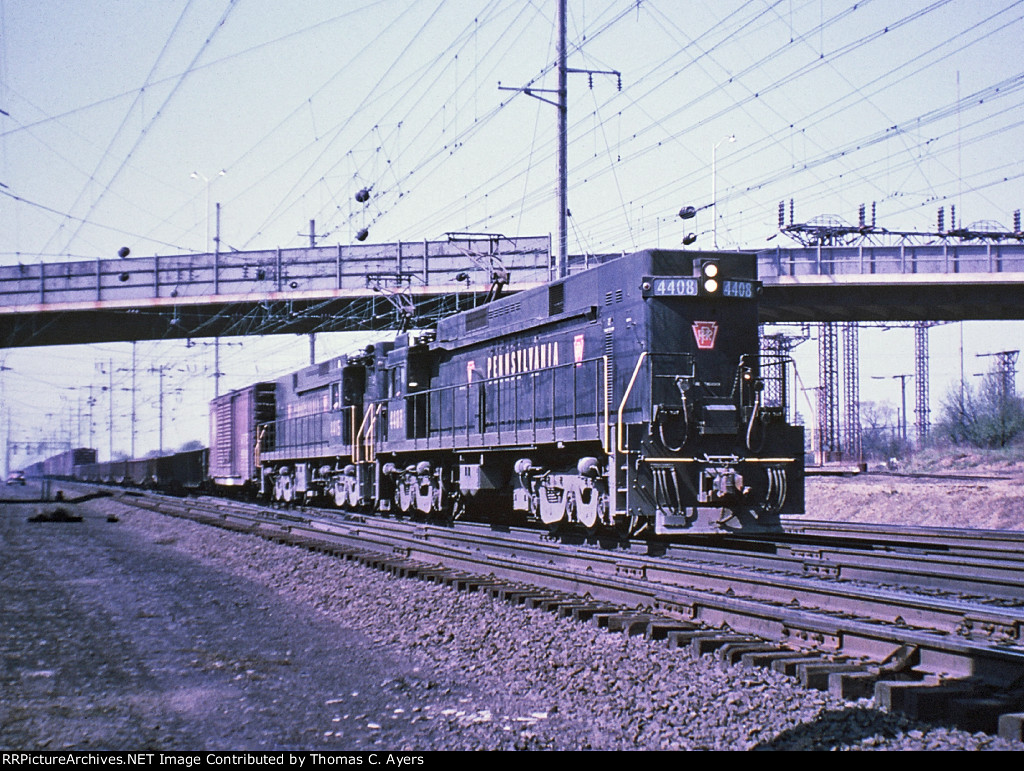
point(828, 378)
point(922, 408)
point(851, 391)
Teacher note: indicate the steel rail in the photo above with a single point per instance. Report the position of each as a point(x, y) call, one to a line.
point(956, 638)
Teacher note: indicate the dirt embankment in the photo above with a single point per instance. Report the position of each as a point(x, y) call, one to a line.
point(990, 496)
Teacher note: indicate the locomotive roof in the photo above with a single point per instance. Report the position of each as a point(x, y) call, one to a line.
point(579, 293)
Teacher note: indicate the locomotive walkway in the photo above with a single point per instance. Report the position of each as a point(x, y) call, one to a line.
point(383, 286)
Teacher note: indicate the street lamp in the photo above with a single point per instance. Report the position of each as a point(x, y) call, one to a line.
point(208, 181)
point(714, 189)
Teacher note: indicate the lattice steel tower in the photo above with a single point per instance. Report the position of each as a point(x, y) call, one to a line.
point(851, 391)
point(922, 408)
point(828, 377)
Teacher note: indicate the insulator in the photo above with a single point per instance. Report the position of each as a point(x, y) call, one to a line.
point(687, 213)
point(1016, 221)
point(363, 195)
point(362, 234)
point(952, 216)
point(790, 212)
point(874, 205)
point(942, 219)
point(862, 215)
point(782, 214)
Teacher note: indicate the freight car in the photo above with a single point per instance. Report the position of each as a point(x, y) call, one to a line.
point(178, 473)
point(631, 395)
point(61, 466)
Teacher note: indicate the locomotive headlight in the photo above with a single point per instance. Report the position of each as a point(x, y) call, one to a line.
point(709, 277)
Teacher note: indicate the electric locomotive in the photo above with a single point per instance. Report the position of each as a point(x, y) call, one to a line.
point(630, 395)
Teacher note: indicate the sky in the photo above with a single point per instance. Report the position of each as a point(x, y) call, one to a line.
point(119, 117)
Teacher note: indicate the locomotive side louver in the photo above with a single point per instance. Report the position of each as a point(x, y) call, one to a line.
point(476, 319)
point(556, 299)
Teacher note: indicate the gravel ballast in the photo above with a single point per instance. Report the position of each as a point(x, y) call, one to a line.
point(160, 633)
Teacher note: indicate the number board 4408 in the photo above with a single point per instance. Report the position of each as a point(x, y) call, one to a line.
point(670, 287)
point(690, 287)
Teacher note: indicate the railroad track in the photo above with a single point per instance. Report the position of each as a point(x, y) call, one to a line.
point(860, 622)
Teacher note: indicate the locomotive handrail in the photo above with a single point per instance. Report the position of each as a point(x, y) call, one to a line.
point(625, 397)
point(513, 421)
point(606, 440)
point(369, 420)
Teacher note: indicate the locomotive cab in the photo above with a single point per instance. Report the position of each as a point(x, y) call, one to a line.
point(710, 453)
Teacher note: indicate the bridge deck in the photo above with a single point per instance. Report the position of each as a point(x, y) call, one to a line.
point(348, 288)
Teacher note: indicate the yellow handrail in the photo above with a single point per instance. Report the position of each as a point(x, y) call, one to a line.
point(606, 439)
point(369, 418)
point(625, 397)
point(358, 438)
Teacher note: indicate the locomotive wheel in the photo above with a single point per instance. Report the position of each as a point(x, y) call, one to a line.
point(585, 515)
point(287, 488)
point(552, 520)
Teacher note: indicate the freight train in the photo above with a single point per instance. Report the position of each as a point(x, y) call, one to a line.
point(632, 396)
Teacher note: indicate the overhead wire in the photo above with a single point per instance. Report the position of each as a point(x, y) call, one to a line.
point(93, 177)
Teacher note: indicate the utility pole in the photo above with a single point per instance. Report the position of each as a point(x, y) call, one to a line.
point(91, 404)
point(561, 104)
point(160, 401)
point(563, 148)
point(134, 370)
point(7, 418)
point(312, 335)
point(216, 340)
point(110, 400)
point(714, 188)
point(903, 394)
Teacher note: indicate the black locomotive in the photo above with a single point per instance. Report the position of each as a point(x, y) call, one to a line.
point(630, 395)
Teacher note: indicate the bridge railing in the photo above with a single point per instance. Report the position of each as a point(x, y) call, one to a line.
point(904, 259)
point(329, 269)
